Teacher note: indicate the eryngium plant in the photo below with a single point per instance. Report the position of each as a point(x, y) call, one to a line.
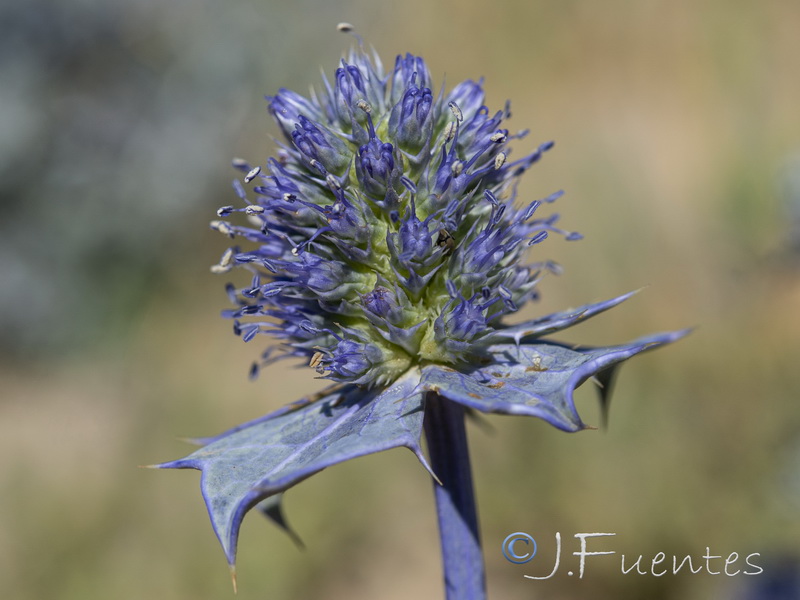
point(386, 249)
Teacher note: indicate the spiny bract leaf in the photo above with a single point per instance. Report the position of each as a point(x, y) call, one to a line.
point(533, 379)
point(556, 321)
point(271, 454)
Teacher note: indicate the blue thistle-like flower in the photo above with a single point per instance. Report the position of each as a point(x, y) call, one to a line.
point(354, 211)
point(386, 248)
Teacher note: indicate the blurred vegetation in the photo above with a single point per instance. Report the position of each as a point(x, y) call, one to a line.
point(678, 139)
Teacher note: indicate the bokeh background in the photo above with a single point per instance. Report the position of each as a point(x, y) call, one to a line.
point(678, 144)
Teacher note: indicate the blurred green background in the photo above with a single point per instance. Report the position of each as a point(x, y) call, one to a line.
point(678, 144)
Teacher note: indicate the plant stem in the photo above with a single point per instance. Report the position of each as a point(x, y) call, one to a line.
point(462, 557)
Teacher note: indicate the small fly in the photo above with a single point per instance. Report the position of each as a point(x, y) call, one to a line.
point(446, 241)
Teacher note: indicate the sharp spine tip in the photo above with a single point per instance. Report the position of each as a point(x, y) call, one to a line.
point(233, 578)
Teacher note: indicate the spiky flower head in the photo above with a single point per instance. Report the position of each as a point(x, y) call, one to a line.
point(386, 232)
point(385, 246)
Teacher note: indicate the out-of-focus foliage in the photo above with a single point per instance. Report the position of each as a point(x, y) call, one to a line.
point(677, 135)
point(118, 122)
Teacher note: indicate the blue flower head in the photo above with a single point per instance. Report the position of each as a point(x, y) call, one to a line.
point(389, 223)
point(387, 249)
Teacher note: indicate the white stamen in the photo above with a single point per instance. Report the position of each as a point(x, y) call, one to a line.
point(456, 111)
point(332, 182)
point(362, 104)
point(457, 168)
point(345, 27)
point(498, 137)
point(227, 258)
point(287, 197)
point(222, 227)
point(252, 174)
point(239, 163)
point(223, 210)
point(499, 160)
point(253, 209)
point(225, 262)
point(316, 359)
point(449, 131)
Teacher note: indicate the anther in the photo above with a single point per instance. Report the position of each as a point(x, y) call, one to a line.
point(410, 185)
point(225, 262)
point(332, 182)
point(456, 111)
point(240, 163)
point(491, 198)
point(363, 105)
point(449, 131)
point(252, 174)
point(227, 258)
point(224, 211)
point(498, 138)
point(345, 28)
point(318, 166)
point(222, 227)
point(316, 359)
point(553, 267)
point(239, 189)
point(287, 197)
point(539, 237)
point(499, 161)
point(456, 168)
point(253, 209)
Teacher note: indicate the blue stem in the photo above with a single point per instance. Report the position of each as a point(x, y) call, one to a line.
point(464, 577)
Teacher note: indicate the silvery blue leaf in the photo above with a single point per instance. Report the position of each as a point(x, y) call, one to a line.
point(556, 321)
point(535, 379)
point(329, 391)
point(269, 455)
